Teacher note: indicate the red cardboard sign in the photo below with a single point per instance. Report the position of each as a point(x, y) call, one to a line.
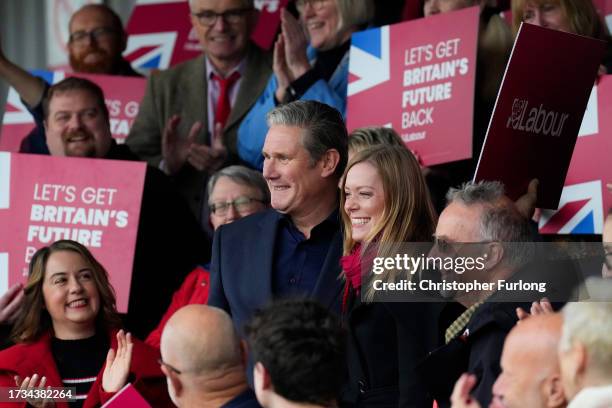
point(418, 77)
point(160, 34)
point(538, 111)
point(92, 201)
point(122, 96)
point(585, 199)
point(128, 396)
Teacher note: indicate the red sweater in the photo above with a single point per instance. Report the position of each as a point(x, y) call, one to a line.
point(193, 291)
point(27, 359)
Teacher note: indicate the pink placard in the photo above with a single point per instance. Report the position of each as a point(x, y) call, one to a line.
point(122, 96)
point(93, 201)
point(538, 112)
point(418, 77)
point(585, 199)
point(127, 397)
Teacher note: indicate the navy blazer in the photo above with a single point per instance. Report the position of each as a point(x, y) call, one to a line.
point(242, 264)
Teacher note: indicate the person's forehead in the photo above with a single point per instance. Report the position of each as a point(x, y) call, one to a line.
point(90, 18)
point(285, 139)
point(460, 222)
point(217, 5)
point(75, 99)
point(226, 188)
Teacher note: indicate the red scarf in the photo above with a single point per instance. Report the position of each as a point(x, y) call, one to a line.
point(353, 266)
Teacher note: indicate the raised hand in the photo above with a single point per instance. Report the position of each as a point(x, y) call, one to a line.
point(205, 158)
point(10, 303)
point(527, 202)
point(295, 42)
point(32, 384)
point(175, 149)
point(541, 307)
point(118, 363)
point(461, 397)
point(281, 70)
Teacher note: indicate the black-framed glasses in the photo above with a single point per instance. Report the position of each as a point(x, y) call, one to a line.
point(209, 18)
point(171, 368)
point(240, 204)
point(315, 4)
point(79, 37)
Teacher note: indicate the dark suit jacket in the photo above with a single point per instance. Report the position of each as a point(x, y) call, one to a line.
point(183, 90)
point(386, 341)
point(242, 264)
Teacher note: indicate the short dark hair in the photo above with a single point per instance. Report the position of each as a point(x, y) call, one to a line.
point(302, 347)
point(75, 84)
point(324, 128)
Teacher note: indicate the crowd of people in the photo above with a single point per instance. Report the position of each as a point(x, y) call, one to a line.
point(255, 280)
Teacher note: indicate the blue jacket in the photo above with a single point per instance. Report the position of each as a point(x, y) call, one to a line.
point(253, 130)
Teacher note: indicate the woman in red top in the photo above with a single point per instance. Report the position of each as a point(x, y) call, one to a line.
point(233, 192)
point(68, 335)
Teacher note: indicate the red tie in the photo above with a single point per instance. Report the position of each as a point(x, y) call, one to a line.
point(223, 103)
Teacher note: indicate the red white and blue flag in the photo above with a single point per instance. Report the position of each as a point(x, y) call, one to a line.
point(585, 199)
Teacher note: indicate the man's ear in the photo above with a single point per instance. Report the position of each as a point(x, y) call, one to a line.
point(263, 375)
point(174, 379)
point(555, 397)
point(329, 161)
point(494, 255)
point(582, 358)
point(123, 40)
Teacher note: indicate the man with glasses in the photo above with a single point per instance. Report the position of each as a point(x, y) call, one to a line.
point(190, 114)
point(95, 45)
point(481, 223)
point(204, 360)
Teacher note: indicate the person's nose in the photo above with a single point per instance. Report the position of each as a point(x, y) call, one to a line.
point(220, 24)
point(232, 214)
point(538, 19)
point(74, 285)
point(351, 205)
point(75, 122)
point(269, 169)
point(432, 8)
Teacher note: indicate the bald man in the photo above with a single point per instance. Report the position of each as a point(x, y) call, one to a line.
point(530, 374)
point(204, 360)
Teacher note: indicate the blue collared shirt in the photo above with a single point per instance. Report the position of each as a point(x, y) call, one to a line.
point(297, 260)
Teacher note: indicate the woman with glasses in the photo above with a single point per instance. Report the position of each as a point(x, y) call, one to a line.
point(306, 67)
point(233, 192)
point(385, 202)
point(67, 335)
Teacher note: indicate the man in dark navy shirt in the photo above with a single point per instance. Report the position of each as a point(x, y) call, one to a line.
point(292, 250)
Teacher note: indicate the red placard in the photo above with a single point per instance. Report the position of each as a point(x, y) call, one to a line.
point(128, 396)
point(93, 201)
point(418, 77)
point(538, 111)
point(122, 96)
point(160, 33)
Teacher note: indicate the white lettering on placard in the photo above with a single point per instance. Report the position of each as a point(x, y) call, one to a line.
point(436, 62)
point(5, 180)
point(538, 121)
